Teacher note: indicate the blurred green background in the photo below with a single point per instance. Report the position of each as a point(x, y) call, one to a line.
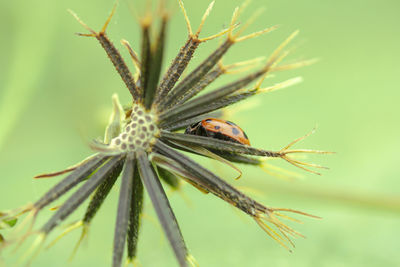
point(55, 97)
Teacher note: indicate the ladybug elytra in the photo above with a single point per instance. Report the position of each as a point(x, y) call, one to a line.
point(219, 129)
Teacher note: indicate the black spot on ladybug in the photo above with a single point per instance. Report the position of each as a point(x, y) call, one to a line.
point(217, 127)
point(235, 131)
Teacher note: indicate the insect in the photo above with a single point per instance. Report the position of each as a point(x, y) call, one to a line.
point(219, 129)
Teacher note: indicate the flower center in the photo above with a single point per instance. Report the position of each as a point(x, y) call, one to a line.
point(139, 133)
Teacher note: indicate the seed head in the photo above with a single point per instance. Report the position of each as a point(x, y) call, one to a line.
point(139, 134)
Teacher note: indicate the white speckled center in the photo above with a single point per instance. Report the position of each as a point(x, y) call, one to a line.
point(139, 134)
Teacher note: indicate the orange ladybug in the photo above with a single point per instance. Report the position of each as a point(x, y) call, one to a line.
point(220, 129)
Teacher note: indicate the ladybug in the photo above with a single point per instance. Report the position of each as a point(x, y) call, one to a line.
point(219, 129)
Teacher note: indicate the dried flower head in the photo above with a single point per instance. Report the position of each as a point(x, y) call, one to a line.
point(143, 142)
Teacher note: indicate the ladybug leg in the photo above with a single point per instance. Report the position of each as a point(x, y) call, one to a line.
point(224, 137)
point(210, 134)
point(200, 131)
point(227, 138)
point(192, 129)
point(220, 136)
point(188, 130)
